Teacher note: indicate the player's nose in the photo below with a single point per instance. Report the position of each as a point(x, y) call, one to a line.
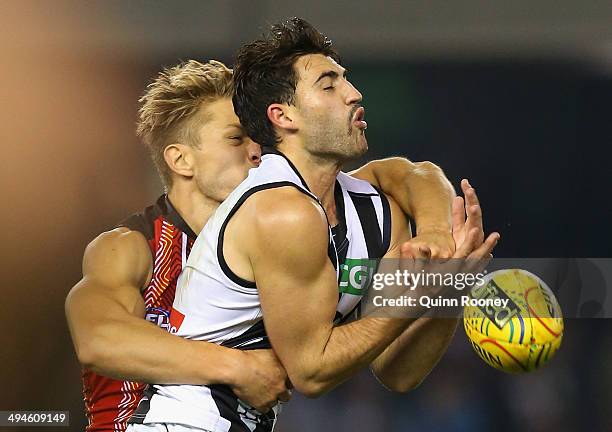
point(353, 96)
point(253, 152)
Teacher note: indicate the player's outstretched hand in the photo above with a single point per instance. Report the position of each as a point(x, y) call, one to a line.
point(461, 225)
point(264, 381)
point(472, 247)
point(432, 243)
point(473, 251)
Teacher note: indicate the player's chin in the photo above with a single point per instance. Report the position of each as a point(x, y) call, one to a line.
point(361, 146)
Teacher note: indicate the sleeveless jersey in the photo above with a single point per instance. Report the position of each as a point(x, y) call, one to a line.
point(109, 403)
point(216, 305)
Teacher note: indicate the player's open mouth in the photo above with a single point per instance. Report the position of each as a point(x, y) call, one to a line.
point(358, 119)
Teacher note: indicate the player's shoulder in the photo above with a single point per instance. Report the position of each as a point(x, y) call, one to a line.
point(284, 208)
point(122, 243)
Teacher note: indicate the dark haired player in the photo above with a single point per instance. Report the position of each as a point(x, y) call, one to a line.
point(264, 270)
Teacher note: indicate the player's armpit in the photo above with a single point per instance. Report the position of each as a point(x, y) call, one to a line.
point(423, 192)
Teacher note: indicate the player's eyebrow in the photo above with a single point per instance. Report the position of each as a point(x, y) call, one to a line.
point(330, 74)
point(234, 126)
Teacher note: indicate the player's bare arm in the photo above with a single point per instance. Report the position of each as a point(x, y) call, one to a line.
point(412, 356)
point(424, 193)
point(284, 236)
point(105, 313)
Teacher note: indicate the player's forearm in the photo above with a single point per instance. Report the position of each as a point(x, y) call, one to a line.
point(348, 349)
point(420, 188)
point(136, 350)
point(411, 357)
point(114, 342)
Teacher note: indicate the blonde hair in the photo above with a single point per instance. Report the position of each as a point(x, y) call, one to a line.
point(170, 105)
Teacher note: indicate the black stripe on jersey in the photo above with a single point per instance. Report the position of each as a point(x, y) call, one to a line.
point(143, 406)
point(369, 223)
point(386, 238)
point(254, 338)
point(227, 403)
point(230, 408)
point(339, 230)
point(143, 221)
point(222, 263)
point(364, 194)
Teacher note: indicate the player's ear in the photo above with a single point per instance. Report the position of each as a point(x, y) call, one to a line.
point(281, 117)
point(179, 157)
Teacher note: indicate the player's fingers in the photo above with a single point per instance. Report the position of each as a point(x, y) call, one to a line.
point(474, 220)
point(425, 252)
point(468, 245)
point(415, 250)
point(471, 198)
point(408, 253)
point(485, 249)
point(285, 396)
point(479, 259)
point(465, 185)
point(458, 214)
point(436, 253)
point(408, 250)
point(264, 408)
point(413, 256)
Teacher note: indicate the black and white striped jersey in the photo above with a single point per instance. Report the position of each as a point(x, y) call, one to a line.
point(214, 304)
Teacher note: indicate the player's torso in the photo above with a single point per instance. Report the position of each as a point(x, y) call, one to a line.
point(216, 305)
point(109, 402)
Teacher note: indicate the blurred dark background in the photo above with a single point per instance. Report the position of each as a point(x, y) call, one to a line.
point(513, 95)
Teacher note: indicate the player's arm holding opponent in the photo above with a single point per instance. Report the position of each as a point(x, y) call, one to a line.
point(423, 192)
point(105, 312)
point(412, 356)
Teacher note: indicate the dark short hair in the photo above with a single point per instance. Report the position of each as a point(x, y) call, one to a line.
point(264, 73)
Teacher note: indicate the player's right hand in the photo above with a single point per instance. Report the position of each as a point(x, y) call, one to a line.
point(263, 381)
point(473, 250)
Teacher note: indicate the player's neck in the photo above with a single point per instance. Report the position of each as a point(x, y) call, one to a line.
point(193, 206)
point(318, 173)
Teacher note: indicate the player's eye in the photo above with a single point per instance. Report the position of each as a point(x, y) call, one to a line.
point(236, 140)
point(328, 88)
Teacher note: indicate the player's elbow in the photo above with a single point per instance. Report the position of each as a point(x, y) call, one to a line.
point(90, 349)
point(90, 345)
point(399, 384)
point(311, 388)
point(311, 383)
point(404, 386)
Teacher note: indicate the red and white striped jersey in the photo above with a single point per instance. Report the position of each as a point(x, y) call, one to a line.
point(109, 403)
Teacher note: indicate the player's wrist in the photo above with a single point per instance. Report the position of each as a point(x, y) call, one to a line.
point(233, 369)
point(222, 365)
point(434, 228)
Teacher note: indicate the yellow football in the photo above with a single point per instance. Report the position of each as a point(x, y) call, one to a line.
point(522, 336)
